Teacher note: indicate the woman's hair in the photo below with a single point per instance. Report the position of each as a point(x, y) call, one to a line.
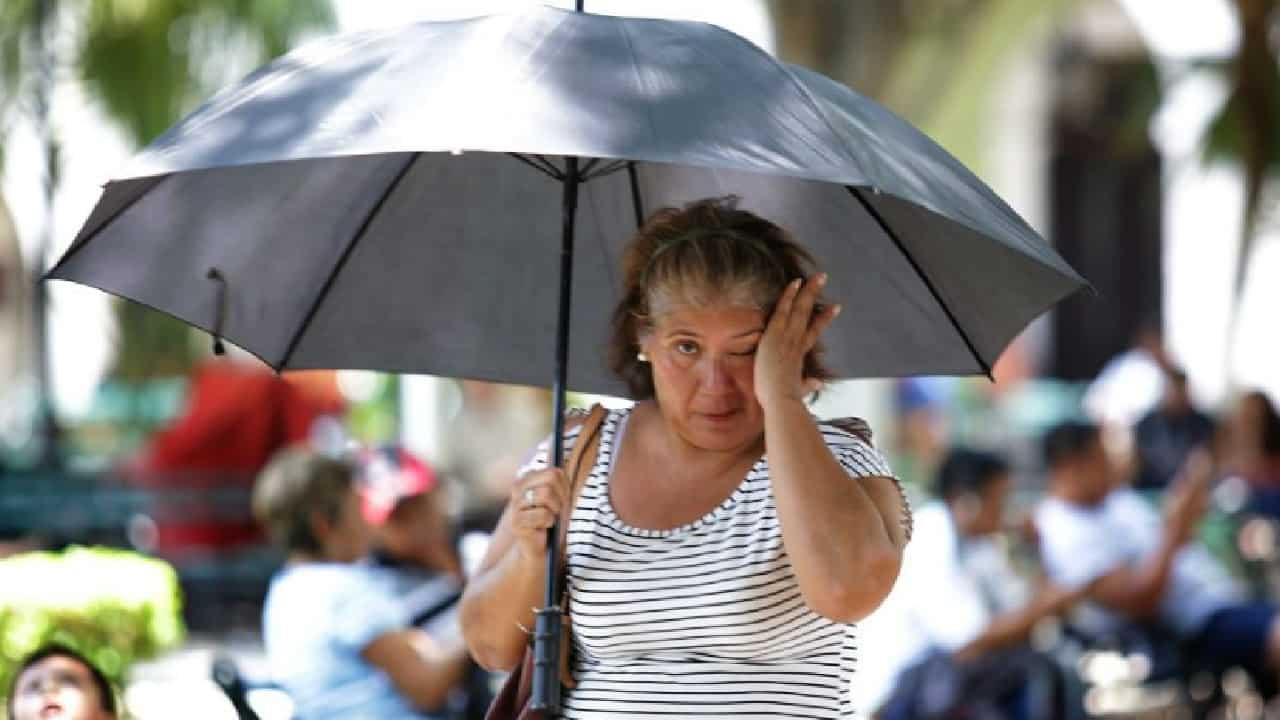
point(295, 486)
point(707, 252)
point(968, 472)
point(106, 694)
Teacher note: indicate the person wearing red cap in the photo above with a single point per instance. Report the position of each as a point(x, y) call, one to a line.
point(414, 557)
point(338, 635)
point(402, 500)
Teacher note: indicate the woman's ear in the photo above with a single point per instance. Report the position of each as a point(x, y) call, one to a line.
point(643, 337)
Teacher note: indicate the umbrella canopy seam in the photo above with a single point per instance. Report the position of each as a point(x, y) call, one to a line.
point(924, 278)
point(342, 260)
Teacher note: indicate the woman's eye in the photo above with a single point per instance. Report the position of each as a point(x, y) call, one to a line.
point(686, 347)
point(748, 352)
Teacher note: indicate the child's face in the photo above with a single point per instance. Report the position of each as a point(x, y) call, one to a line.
point(60, 688)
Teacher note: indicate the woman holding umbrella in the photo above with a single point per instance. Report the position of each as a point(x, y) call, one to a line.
point(724, 540)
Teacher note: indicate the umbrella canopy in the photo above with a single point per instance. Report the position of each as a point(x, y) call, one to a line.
point(392, 200)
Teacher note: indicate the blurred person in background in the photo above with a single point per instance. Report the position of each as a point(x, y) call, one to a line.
point(1142, 569)
point(238, 413)
point(962, 617)
point(920, 439)
point(486, 444)
point(58, 683)
point(1164, 437)
point(1132, 382)
point(403, 500)
point(416, 557)
point(338, 639)
point(1253, 443)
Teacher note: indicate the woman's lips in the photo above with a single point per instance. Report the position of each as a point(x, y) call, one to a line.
point(719, 416)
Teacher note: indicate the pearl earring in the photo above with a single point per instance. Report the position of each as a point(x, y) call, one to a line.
point(642, 357)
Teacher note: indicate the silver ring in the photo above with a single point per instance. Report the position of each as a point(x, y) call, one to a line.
point(528, 498)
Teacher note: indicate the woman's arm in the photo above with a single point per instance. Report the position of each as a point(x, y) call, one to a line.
point(501, 596)
point(844, 535)
point(499, 601)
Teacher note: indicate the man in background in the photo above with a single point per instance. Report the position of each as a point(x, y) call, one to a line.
point(1164, 437)
point(962, 617)
point(1141, 568)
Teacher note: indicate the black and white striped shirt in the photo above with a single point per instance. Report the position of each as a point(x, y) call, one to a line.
point(705, 620)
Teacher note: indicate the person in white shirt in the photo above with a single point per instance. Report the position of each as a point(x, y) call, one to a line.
point(1141, 568)
point(959, 602)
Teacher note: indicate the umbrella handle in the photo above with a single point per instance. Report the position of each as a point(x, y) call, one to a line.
point(220, 309)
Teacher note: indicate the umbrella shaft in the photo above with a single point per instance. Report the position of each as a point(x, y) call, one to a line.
point(546, 681)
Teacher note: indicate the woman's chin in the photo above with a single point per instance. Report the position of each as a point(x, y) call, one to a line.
point(723, 431)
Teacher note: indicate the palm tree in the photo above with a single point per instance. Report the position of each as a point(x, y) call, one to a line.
point(1246, 131)
point(144, 64)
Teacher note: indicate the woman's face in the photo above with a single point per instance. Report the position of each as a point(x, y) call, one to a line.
point(703, 363)
point(57, 687)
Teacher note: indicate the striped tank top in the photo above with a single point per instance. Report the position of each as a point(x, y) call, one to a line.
point(704, 620)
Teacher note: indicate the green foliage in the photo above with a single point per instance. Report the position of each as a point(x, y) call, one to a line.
point(146, 62)
point(114, 606)
point(1224, 139)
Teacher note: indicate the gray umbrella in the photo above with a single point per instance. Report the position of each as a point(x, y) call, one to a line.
point(392, 200)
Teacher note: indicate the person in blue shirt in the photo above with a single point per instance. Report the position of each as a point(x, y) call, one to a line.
point(337, 638)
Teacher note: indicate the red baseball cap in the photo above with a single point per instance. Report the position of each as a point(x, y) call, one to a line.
point(387, 476)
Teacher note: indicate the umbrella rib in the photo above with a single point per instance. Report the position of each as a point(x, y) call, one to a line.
point(342, 261)
point(555, 172)
point(607, 169)
point(637, 204)
point(933, 290)
point(551, 172)
point(79, 243)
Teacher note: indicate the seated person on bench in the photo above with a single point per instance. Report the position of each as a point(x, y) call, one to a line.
point(1141, 568)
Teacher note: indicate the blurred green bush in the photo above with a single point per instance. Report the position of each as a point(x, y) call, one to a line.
point(114, 606)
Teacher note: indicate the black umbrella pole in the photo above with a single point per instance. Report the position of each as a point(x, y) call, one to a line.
point(550, 619)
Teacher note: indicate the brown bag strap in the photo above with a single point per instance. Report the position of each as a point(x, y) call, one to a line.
point(581, 460)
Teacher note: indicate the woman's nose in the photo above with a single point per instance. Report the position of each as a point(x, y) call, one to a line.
point(715, 376)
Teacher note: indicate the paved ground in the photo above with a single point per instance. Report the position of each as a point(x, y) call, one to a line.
point(180, 684)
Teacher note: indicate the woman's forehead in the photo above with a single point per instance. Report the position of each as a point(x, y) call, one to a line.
point(719, 319)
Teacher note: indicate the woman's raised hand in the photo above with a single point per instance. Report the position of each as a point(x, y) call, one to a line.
point(792, 332)
point(534, 507)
